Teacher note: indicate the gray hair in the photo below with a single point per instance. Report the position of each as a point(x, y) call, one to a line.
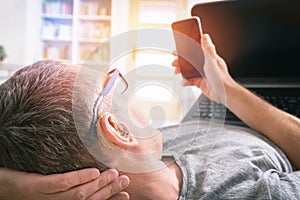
point(38, 132)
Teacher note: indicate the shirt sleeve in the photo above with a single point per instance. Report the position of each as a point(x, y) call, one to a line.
point(289, 185)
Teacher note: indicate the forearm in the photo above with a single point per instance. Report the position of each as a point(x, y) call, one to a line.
point(280, 127)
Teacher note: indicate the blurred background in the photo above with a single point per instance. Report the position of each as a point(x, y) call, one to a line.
point(71, 31)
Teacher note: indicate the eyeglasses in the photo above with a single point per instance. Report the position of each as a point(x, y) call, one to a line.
point(114, 75)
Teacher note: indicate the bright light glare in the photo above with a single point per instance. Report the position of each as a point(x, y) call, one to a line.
point(157, 12)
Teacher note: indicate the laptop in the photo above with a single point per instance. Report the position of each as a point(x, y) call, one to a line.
point(260, 42)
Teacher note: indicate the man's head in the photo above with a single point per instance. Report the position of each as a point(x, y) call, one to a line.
point(39, 121)
point(37, 132)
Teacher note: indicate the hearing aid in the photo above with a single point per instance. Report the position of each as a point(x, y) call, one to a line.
point(106, 143)
point(121, 130)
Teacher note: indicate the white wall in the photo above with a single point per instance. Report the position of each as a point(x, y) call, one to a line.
point(32, 40)
point(12, 28)
point(19, 30)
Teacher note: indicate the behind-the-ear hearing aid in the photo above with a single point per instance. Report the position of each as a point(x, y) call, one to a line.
point(106, 143)
point(120, 128)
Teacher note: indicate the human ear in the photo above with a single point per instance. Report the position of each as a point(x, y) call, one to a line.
point(116, 132)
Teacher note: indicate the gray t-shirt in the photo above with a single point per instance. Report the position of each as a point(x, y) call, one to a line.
point(229, 162)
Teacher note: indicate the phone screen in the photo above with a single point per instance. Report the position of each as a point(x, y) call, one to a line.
point(187, 35)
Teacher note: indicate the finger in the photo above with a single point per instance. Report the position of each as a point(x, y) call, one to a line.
point(177, 70)
point(221, 62)
point(175, 63)
point(112, 189)
point(203, 85)
point(80, 192)
point(185, 82)
point(191, 82)
point(107, 177)
point(120, 196)
point(86, 190)
point(63, 182)
point(208, 45)
point(197, 82)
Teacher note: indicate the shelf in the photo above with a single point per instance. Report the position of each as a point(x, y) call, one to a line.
point(71, 29)
point(53, 39)
point(57, 16)
point(93, 40)
point(95, 17)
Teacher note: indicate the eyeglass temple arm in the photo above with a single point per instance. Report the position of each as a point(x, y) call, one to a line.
point(105, 91)
point(122, 77)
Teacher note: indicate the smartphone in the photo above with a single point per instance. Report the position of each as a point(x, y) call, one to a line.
point(187, 34)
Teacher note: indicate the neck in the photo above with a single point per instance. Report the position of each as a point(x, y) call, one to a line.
point(162, 184)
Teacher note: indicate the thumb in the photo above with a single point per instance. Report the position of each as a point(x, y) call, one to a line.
point(208, 45)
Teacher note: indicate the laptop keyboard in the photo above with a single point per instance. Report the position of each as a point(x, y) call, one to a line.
point(206, 109)
point(288, 104)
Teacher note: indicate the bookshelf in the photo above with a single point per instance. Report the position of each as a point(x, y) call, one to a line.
point(72, 29)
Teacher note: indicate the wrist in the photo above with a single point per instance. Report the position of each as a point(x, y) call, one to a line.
point(232, 91)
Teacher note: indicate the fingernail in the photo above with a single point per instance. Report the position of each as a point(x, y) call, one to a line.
point(124, 183)
point(207, 38)
point(95, 173)
point(111, 176)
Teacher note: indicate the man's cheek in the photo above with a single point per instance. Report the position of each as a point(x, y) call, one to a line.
point(136, 114)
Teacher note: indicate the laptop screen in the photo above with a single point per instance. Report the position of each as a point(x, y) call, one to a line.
point(259, 39)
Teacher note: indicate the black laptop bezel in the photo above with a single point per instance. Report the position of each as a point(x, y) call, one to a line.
point(293, 80)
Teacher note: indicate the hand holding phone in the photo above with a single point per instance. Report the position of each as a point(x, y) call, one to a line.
point(187, 34)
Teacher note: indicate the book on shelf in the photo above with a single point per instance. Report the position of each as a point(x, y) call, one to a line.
point(56, 51)
point(94, 54)
point(58, 7)
point(93, 9)
point(54, 30)
point(94, 30)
